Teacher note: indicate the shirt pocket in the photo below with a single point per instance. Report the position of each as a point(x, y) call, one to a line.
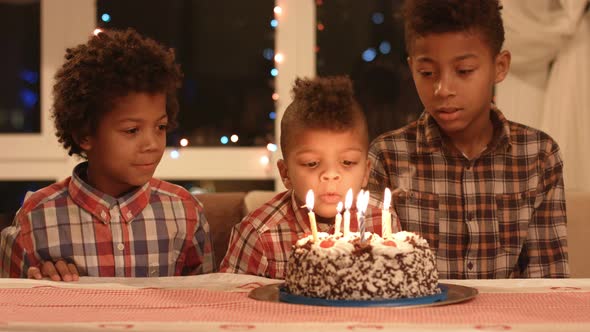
point(418, 213)
point(513, 214)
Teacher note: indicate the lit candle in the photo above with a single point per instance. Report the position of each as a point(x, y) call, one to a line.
point(338, 220)
point(362, 200)
point(309, 200)
point(385, 215)
point(347, 206)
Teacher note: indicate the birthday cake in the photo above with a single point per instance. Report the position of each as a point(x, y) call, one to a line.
point(340, 267)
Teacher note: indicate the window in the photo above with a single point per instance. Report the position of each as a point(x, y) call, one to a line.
point(20, 81)
point(249, 98)
point(226, 53)
point(373, 56)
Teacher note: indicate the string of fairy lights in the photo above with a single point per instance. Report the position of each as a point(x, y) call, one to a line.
point(369, 54)
point(278, 58)
point(270, 55)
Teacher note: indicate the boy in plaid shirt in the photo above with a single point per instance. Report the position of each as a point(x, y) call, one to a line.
point(324, 141)
point(114, 100)
point(486, 193)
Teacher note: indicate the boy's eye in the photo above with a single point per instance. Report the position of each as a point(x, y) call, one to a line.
point(464, 72)
point(132, 131)
point(425, 73)
point(163, 127)
point(349, 163)
point(311, 164)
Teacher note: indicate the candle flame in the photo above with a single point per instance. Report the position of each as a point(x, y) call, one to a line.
point(386, 199)
point(309, 200)
point(348, 201)
point(359, 200)
point(339, 207)
point(364, 202)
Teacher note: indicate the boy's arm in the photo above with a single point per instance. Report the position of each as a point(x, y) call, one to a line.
point(15, 258)
point(199, 256)
point(245, 253)
point(546, 243)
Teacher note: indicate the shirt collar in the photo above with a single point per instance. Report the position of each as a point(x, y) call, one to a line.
point(429, 137)
point(99, 204)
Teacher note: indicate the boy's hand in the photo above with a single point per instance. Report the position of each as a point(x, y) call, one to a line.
point(58, 271)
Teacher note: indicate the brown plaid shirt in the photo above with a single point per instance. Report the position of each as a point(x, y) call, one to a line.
point(500, 215)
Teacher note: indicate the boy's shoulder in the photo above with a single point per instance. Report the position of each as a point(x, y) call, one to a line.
point(406, 133)
point(404, 139)
point(45, 197)
point(270, 214)
point(530, 138)
point(520, 133)
point(175, 192)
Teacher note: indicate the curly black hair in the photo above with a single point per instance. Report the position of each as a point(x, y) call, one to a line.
point(423, 17)
point(110, 65)
point(322, 103)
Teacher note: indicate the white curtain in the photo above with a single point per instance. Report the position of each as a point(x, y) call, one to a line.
point(548, 86)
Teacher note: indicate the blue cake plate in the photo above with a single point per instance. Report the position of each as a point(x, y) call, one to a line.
point(285, 296)
point(450, 294)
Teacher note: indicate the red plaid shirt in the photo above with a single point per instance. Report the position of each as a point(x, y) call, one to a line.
point(156, 230)
point(261, 243)
point(500, 215)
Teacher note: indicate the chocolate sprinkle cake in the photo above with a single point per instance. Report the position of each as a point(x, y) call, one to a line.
point(343, 268)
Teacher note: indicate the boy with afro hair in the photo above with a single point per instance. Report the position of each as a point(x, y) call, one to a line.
point(324, 141)
point(114, 100)
point(487, 193)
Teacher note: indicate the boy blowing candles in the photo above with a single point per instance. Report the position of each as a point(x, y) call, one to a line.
point(324, 141)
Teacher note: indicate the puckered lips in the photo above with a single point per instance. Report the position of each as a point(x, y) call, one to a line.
point(330, 197)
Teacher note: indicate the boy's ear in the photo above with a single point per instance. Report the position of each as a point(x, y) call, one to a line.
point(502, 64)
point(84, 142)
point(367, 173)
point(282, 166)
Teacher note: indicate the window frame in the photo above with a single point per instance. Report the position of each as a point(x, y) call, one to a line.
point(65, 23)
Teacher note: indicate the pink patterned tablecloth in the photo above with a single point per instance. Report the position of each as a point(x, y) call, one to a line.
point(49, 304)
point(560, 303)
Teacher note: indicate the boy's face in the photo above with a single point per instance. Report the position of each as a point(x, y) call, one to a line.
point(454, 74)
point(128, 143)
point(329, 162)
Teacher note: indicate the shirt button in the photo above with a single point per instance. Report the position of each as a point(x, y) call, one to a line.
point(129, 214)
point(153, 269)
point(103, 214)
point(121, 246)
point(470, 265)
